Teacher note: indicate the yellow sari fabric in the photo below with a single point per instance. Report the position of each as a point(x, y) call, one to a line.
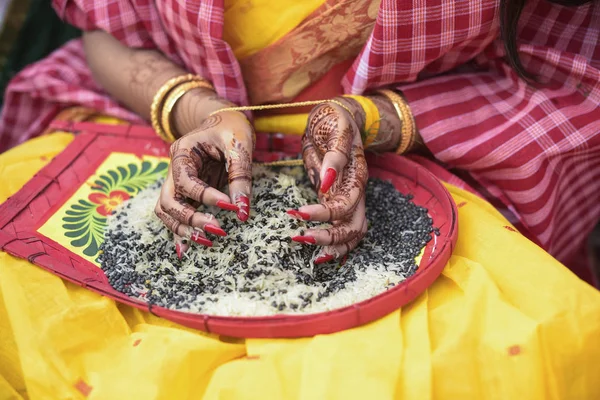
point(252, 25)
point(504, 321)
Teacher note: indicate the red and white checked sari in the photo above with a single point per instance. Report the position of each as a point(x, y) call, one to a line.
point(534, 152)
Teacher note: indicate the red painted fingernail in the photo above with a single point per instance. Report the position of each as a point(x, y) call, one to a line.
point(324, 259)
point(244, 211)
point(227, 206)
point(328, 180)
point(178, 250)
point(201, 239)
point(215, 230)
point(298, 214)
point(344, 260)
point(304, 239)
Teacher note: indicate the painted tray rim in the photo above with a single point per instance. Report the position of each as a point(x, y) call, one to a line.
point(276, 326)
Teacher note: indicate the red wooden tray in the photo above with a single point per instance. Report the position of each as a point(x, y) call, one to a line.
point(23, 214)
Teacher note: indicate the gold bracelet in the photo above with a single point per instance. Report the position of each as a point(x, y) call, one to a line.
point(172, 99)
point(159, 99)
point(408, 131)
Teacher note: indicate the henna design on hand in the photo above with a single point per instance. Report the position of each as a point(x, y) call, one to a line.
point(210, 122)
point(329, 132)
point(353, 185)
point(323, 123)
point(312, 162)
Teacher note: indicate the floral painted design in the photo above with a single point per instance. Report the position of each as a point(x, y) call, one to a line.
point(108, 204)
point(84, 221)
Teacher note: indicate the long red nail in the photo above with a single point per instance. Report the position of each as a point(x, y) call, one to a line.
point(244, 211)
point(304, 239)
point(215, 230)
point(201, 239)
point(227, 206)
point(324, 259)
point(178, 250)
point(298, 214)
point(328, 180)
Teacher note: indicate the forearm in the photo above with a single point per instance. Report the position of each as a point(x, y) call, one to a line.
point(133, 76)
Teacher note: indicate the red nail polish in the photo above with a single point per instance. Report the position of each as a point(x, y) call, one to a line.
point(244, 209)
point(215, 230)
point(344, 260)
point(178, 250)
point(201, 239)
point(324, 259)
point(328, 180)
point(227, 206)
point(304, 239)
point(298, 214)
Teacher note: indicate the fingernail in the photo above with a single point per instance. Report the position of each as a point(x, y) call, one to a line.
point(178, 250)
point(298, 214)
point(244, 208)
point(215, 230)
point(304, 239)
point(201, 239)
point(324, 259)
point(227, 206)
point(344, 260)
point(328, 180)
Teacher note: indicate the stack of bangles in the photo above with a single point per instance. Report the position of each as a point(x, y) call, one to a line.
point(370, 130)
point(167, 96)
point(165, 99)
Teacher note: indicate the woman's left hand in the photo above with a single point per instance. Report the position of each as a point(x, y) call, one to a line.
point(335, 161)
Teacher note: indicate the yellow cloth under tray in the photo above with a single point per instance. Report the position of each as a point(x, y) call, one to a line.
point(504, 321)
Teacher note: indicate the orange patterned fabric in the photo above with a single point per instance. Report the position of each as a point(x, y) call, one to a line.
point(334, 33)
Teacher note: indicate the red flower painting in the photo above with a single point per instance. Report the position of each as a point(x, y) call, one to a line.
point(107, 204)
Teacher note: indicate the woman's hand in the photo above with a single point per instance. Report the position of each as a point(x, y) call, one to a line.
point(335, 161)
point(203, 161)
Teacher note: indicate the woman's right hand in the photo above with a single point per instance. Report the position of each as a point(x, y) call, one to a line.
point(202, 162)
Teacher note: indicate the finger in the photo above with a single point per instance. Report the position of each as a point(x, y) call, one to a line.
point(332, 132)
point(239, 165)
point(330, 253)
point(185, 231)
point(345, 248)
point(172, 224)
point(347, 195)
point(186, 164)
point(181, 245)
point(179, 208)
point(340, 233)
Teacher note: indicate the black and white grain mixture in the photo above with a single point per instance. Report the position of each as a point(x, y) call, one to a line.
point(257, 270)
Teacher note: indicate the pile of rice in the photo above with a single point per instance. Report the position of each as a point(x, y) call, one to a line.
point(257, 270)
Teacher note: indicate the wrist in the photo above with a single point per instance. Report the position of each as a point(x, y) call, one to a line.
point(390, 128)
point(194, 107)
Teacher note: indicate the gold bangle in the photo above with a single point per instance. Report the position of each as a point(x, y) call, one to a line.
point(172, 99)
point(159, 99)
point(408, 131)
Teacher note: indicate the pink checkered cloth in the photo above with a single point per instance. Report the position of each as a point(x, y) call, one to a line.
point(533, 152)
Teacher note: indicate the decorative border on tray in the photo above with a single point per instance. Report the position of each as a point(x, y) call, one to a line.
point(26, 211)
